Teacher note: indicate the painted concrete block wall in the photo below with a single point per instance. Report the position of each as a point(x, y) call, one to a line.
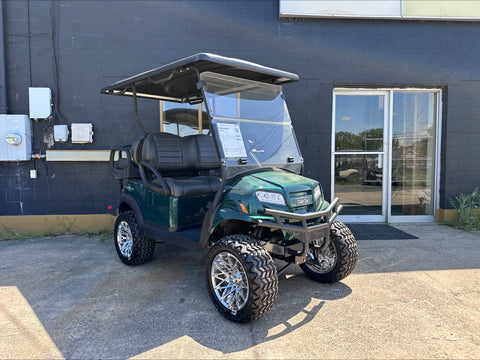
point(78, 47)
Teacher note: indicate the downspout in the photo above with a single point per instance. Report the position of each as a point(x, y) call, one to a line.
point(3, 65)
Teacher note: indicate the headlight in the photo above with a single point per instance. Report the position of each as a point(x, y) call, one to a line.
point(271, 198)
point(317, 193)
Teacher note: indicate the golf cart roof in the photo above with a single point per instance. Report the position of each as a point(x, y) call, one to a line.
point(177, 81)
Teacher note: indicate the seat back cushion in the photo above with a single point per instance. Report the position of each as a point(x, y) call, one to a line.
point(207, 156)
point(163, 151)
point(136, 150)
point(173, 155)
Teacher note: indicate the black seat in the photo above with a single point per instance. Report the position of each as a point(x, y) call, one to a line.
point(191, 186)
point(179, 163)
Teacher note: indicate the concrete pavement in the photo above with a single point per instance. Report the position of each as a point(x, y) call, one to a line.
point(70, 297)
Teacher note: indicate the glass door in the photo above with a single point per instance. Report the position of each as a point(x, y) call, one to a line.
point(359, 154)
point(414, 143)
point(385, 154)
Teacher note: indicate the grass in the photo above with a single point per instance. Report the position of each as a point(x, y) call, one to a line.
point(8, 234)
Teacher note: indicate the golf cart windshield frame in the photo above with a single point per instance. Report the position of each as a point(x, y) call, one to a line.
point(251, 124)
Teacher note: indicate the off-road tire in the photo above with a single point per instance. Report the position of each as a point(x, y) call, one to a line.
point(142, 247)
point(259, 271)
point(346, 256)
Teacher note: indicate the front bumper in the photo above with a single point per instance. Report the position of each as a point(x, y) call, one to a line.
point(307, 231)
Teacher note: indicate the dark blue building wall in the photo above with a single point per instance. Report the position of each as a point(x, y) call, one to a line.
point(78, 47)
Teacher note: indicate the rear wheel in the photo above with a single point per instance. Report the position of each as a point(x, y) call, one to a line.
point(241, 278)
point(132, 247)
point(337, 261)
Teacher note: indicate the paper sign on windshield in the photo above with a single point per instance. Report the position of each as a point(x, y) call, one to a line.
point(232, 141)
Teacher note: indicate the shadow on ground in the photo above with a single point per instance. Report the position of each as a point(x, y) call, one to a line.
point(92, 305)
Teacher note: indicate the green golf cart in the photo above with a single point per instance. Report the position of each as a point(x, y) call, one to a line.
point(224, 173)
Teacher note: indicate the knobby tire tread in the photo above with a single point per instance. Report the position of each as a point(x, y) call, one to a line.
point(347, 255)
point(143, 246)
point(263, 273)
point(348, 249)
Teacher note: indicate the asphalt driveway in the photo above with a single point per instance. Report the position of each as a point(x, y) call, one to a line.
point(70, 297)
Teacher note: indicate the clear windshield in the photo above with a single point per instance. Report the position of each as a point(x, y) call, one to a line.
point(251, 124)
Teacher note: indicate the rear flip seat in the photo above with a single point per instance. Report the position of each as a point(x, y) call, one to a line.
point(179, 161)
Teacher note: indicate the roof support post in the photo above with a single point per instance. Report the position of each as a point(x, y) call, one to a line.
point(135, 105)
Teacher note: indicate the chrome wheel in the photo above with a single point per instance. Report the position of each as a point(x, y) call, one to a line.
point(337, 261)
point(132, 245)
point(322, 262)
point(125, 239)
point(229, 281)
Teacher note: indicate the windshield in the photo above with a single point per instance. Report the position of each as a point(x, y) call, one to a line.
point(251, 123)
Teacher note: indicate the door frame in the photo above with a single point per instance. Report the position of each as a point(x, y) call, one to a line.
point(387, 154)
point(386, 100)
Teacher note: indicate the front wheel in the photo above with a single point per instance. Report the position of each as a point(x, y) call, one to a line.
point(241, 278)
point(132, 247)
point(337, 261)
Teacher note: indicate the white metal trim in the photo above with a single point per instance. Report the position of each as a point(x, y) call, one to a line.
point(441, 18)
point(355, 17)
point(359, 152)
point(354, 90)
point(361, 218)
point(290, 14)
point(389, 158)
point(332, 144)
point(78, 155)
point(438, 151)
point(386, 141)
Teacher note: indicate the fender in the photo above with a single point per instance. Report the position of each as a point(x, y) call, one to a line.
point(132, 203)
point(227, 214)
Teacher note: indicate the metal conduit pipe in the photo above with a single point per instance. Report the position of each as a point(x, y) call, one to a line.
point(3, 64)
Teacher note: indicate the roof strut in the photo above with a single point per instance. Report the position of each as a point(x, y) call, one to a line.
point(135, 105)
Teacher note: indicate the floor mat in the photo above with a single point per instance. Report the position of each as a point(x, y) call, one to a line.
point(378, 232)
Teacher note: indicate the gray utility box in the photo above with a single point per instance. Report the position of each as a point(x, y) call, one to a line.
point(15, 138)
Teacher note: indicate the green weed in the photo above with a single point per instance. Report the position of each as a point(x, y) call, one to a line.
point(8, 234)
point(465, 204)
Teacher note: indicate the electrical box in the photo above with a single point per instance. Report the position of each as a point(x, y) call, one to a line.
point(60, 133)
point(82, 133)
point(40, 102)
point(15, 138)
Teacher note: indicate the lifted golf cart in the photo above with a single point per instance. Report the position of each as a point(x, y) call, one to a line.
point(232, 183)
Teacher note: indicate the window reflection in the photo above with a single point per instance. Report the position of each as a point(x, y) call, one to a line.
point(245, 99)
point(413, 147)
point(183, 119)
point(358, 183)
point(359, 123)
